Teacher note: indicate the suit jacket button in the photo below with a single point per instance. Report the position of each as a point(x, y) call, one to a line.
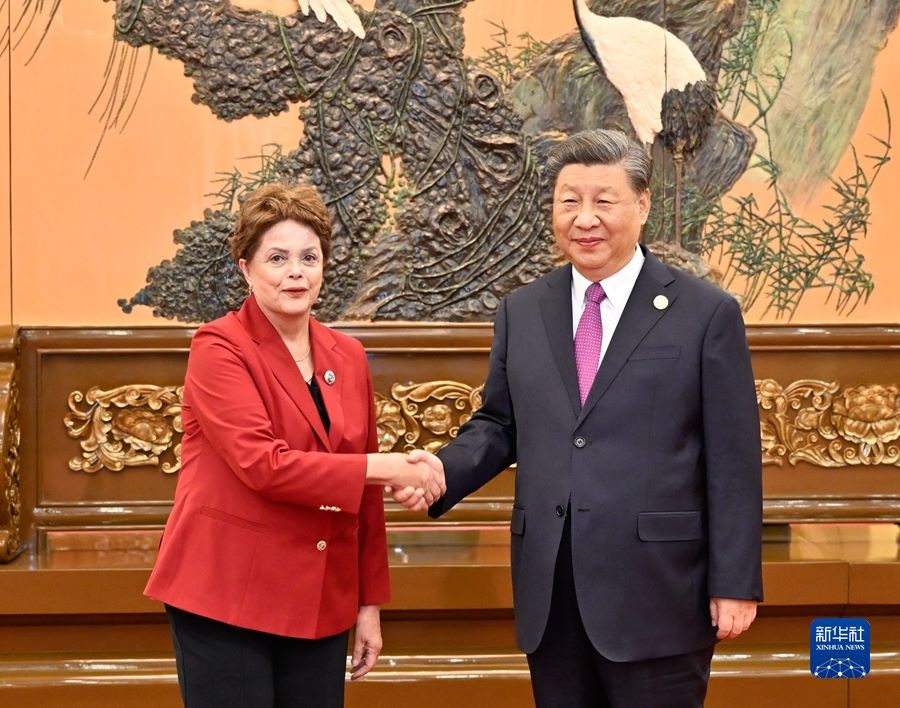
point(560, 511)
point(580, 441)
point(321, 545)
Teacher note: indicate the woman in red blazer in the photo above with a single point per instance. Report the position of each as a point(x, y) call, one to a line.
point(276, 544)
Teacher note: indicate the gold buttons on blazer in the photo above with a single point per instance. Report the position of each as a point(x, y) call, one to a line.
point(321, 546)
point(325, 507)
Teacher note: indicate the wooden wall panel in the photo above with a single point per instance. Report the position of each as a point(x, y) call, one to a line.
point(426, 379)
point(849, 357)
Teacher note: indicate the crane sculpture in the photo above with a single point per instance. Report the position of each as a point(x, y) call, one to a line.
point(340, 10)
point(663, 86)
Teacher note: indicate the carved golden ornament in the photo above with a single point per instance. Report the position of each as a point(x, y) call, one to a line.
point(818, 422)
point(424, 415)
point(10, 436)
point(125, 427)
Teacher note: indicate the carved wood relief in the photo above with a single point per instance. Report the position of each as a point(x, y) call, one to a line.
point(809, 420)
point(829, 426)
point(126, 426)
point(424, 415)
point(140, 423)
point(10, 500)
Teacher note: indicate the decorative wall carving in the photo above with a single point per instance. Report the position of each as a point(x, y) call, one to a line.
point(435, 189)
point(424, 415)
point(10, 501)
point(826, 425)
point(125, 427)
point(136, 424)
point(809, 420)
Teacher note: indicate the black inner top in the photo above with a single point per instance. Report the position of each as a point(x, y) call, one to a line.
point(316, 394)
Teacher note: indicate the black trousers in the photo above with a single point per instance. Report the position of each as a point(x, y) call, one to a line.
point(223, 666)
point(567, 672)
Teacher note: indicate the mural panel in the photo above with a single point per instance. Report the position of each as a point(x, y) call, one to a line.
point(426, 125)
point(5, 245)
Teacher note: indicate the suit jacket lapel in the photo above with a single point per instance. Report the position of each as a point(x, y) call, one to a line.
point(329, 359)
point(556, 309)
point(275, 353)
point(638, 318)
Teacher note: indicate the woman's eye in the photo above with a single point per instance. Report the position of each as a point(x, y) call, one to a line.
point(276, 258)
point(310, 258)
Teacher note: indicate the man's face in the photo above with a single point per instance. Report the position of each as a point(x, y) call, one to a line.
point(597, 218)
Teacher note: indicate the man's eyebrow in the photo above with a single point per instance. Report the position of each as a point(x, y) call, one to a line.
point(600, 188)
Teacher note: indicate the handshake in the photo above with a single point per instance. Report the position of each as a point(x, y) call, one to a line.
point(415, 480)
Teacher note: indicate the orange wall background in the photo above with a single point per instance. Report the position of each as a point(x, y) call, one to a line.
point(78, 243)
point(5, 137)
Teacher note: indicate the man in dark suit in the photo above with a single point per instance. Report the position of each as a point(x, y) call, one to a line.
point(622, 389)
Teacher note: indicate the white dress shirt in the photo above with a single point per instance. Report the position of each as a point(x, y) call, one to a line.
point(617, 287)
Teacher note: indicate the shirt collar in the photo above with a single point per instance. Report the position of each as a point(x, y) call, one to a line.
point(617, 287)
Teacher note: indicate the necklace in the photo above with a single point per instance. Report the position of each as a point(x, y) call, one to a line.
point(305, 356)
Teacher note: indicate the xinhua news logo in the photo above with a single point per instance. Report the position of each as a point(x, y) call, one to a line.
point(839, 647)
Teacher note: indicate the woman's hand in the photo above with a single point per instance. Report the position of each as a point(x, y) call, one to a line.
point(366, 641)
point(411, 479)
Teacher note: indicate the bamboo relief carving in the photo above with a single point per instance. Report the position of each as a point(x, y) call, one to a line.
point(829, 426)
point(10, 501)
point(125, 427)
point(424, 415)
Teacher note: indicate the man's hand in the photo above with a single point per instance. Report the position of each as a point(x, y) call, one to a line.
point(435, 463)
point(432, 461)
point(416, 480)
point(416, 499)
point(413, 499)
point(731, 616)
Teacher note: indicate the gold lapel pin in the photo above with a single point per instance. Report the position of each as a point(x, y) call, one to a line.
point(329, 377)
point(660, 302)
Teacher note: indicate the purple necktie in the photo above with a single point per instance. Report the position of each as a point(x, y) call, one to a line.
point(588, 338)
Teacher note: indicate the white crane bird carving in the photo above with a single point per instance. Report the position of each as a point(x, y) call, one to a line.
point(663, 86)
point(340, 10)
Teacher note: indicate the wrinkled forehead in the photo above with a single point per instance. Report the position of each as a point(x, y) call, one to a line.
point(594, 178)
point(289, 236)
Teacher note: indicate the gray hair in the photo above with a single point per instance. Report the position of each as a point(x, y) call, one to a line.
point(601, 147)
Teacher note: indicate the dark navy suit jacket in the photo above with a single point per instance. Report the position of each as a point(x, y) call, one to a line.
point(661, 467)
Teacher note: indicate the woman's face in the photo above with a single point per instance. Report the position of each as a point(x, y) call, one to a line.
point(286, 270)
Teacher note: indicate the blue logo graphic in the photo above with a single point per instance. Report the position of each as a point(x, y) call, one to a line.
point(839, 647)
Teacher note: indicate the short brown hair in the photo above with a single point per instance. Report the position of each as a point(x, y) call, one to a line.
point(273, 203)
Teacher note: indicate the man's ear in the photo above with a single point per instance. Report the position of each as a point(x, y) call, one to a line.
point(644, 206)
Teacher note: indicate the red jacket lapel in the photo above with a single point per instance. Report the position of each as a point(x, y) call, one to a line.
point(330, 367)
point(275, 354)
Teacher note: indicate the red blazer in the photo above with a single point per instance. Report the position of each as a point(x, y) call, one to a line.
point(273, 527)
